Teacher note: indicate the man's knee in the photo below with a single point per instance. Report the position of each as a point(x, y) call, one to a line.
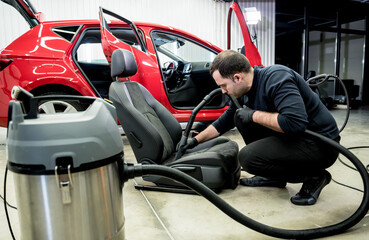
point(249, 161)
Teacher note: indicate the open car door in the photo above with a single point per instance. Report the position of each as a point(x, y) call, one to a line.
point(25, 8)
point(251, 52)
point(110, 42)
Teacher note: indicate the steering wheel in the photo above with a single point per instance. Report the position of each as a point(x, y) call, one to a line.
point(170, 69)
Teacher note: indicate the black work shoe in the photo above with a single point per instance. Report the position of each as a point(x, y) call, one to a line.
point(310, 190)
point(258, 181)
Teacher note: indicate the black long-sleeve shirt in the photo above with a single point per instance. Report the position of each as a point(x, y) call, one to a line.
point(280, 89)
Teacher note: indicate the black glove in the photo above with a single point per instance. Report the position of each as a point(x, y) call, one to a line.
point(244, 114)
point(191, 143)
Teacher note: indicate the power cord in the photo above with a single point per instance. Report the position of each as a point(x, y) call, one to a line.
point(358, 147)
point(352, 168)
point(6, 203)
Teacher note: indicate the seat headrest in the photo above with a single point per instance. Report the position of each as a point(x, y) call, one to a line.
point(123, 63)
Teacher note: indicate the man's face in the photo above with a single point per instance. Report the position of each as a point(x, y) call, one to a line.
point(229, 86)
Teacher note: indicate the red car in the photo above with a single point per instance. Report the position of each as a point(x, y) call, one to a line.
point(72, 57)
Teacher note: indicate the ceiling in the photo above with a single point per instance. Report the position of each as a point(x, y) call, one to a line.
point(323, 14)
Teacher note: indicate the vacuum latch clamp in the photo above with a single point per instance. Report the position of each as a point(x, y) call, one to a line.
point(64, 183)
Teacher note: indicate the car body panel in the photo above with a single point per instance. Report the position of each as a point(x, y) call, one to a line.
point(45, 58)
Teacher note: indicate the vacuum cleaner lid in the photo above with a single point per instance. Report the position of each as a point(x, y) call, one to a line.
point(81, 140)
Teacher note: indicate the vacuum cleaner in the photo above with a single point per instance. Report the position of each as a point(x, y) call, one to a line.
point(69, 173)
point(66, 170)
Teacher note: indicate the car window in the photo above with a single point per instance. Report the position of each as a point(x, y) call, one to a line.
point(90, 49)
point(127, 36)
point(91, 53)
point(164, 59)
point(173, 47)
point(131, 36)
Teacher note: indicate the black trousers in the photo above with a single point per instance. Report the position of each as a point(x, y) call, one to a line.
point(288, 157)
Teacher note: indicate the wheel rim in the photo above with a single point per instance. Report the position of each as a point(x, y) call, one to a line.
point(51, 107)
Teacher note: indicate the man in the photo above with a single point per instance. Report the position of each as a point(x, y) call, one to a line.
point(278, 106)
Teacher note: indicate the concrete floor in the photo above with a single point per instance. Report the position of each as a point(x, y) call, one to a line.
point(159, 215)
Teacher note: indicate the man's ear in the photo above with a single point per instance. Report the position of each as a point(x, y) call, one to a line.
point(237, 77)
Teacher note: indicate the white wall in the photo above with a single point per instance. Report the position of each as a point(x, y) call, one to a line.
point(204, 18)
point(265, 28)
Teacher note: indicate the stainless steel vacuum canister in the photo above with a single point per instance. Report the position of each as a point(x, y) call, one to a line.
point(66, 170)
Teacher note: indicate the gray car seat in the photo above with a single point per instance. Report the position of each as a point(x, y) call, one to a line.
point(154, 133)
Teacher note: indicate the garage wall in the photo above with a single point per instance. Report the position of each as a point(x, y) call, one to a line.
point(204, 18)
point(322, 49)
point(265, 29)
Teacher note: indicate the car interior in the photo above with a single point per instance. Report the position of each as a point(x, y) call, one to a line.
point(90, 59)
point(184, 66)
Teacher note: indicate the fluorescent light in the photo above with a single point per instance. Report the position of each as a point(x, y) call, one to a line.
point(253, 16)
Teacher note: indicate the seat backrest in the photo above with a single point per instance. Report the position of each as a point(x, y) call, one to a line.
point(151, 129)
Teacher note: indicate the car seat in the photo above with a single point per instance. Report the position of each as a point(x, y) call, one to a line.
point(154, 133)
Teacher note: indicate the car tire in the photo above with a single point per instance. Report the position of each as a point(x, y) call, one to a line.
point(59, 106)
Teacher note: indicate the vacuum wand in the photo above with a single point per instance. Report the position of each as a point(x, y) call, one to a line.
point(234, 100)
point(187, 131)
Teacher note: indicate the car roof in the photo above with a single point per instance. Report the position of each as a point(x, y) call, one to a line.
point(117, 23)
point(97, 22)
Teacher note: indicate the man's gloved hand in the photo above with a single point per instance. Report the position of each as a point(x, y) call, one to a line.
point(191, 143)
point(244, 114)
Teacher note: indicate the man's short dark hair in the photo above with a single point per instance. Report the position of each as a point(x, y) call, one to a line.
point(230, 62)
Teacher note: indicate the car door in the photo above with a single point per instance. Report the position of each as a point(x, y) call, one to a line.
point(251, 52)
point(26, 9)
point(111, 42)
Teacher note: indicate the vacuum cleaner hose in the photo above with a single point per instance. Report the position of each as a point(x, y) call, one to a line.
point(140, 170)
point(317, 81)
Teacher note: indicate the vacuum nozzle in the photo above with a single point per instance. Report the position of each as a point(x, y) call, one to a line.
point(20, 94)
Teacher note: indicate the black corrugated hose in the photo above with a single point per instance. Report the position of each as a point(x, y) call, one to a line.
point(132, 171)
